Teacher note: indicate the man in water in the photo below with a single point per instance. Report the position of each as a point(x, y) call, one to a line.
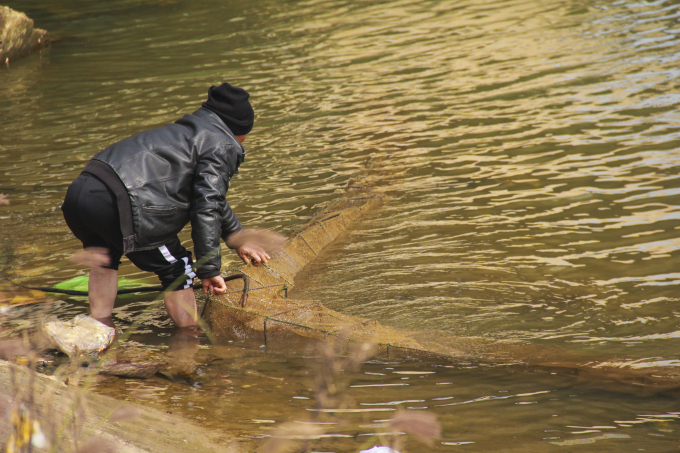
point(134, 197)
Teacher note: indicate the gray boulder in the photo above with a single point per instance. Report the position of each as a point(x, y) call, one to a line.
point(17, 35)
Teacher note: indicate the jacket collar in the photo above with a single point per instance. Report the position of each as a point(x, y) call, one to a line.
point(215, 120)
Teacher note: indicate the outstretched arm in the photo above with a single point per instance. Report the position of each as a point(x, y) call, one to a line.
point(211, 215)
point(207, 209)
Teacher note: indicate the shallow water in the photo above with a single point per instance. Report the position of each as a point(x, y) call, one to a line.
point(533, 161)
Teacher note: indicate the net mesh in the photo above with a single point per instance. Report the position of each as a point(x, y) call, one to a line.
point(264, 313)
point(269, 316)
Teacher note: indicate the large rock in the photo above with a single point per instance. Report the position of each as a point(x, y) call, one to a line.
point(17, 35)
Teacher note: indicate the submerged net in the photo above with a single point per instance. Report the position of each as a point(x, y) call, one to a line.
point(256, 307)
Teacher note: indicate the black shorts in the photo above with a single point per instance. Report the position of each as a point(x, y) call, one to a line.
point(91, 212)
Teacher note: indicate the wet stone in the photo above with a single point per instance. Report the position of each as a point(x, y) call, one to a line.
point(18, 37)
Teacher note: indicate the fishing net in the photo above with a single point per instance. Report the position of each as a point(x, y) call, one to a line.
point(256, 307)
point(256, 304)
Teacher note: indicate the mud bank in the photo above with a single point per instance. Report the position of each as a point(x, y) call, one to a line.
point(127, 427)
point(18, 37)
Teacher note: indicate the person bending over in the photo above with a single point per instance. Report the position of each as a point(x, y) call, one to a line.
point(134, 197)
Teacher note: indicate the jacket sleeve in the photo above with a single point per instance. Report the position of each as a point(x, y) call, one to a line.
point(230, 223)
point(209, 206)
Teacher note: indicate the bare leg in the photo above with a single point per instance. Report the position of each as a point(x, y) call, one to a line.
point(102, 287)
point(182, 348)
point(183, 344)
point(181, 307)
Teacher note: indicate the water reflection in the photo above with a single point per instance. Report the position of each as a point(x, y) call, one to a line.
point(540, 409)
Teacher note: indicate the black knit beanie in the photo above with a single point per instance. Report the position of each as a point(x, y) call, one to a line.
point(232, 106)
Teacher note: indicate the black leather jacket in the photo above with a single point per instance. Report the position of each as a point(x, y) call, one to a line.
point(173, 175)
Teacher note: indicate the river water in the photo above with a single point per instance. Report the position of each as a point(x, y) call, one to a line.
point(534, 191)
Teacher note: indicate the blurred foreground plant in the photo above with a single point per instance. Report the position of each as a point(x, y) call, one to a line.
point(422, 425)
point(43, 415)
point(335, 363)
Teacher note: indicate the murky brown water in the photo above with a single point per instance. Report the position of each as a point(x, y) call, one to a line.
point(536, 192)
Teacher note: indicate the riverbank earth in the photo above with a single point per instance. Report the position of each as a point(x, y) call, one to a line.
point(125, 426)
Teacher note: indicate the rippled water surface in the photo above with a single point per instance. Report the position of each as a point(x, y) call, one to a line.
point(529, 153)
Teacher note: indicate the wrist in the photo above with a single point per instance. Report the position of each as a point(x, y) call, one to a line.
point(231, 239)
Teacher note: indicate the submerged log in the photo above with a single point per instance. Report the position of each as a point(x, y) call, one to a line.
point(18, 37)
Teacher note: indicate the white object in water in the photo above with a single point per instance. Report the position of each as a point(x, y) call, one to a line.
point(82, 335)
point(379, 450)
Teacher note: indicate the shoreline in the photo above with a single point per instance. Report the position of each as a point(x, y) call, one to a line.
point(127, 427)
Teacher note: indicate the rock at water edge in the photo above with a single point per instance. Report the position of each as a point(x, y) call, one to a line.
point(17, 35)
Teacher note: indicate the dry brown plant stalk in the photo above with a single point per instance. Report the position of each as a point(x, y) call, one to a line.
point(422, 425)
point(337, 362)
point(65, 433)
point(290, 436)
point(92, 256)
point(96, 445)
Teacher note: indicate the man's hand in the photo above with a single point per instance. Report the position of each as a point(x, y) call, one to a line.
point(255, 245)
point(248, 251)
point(214, 285)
